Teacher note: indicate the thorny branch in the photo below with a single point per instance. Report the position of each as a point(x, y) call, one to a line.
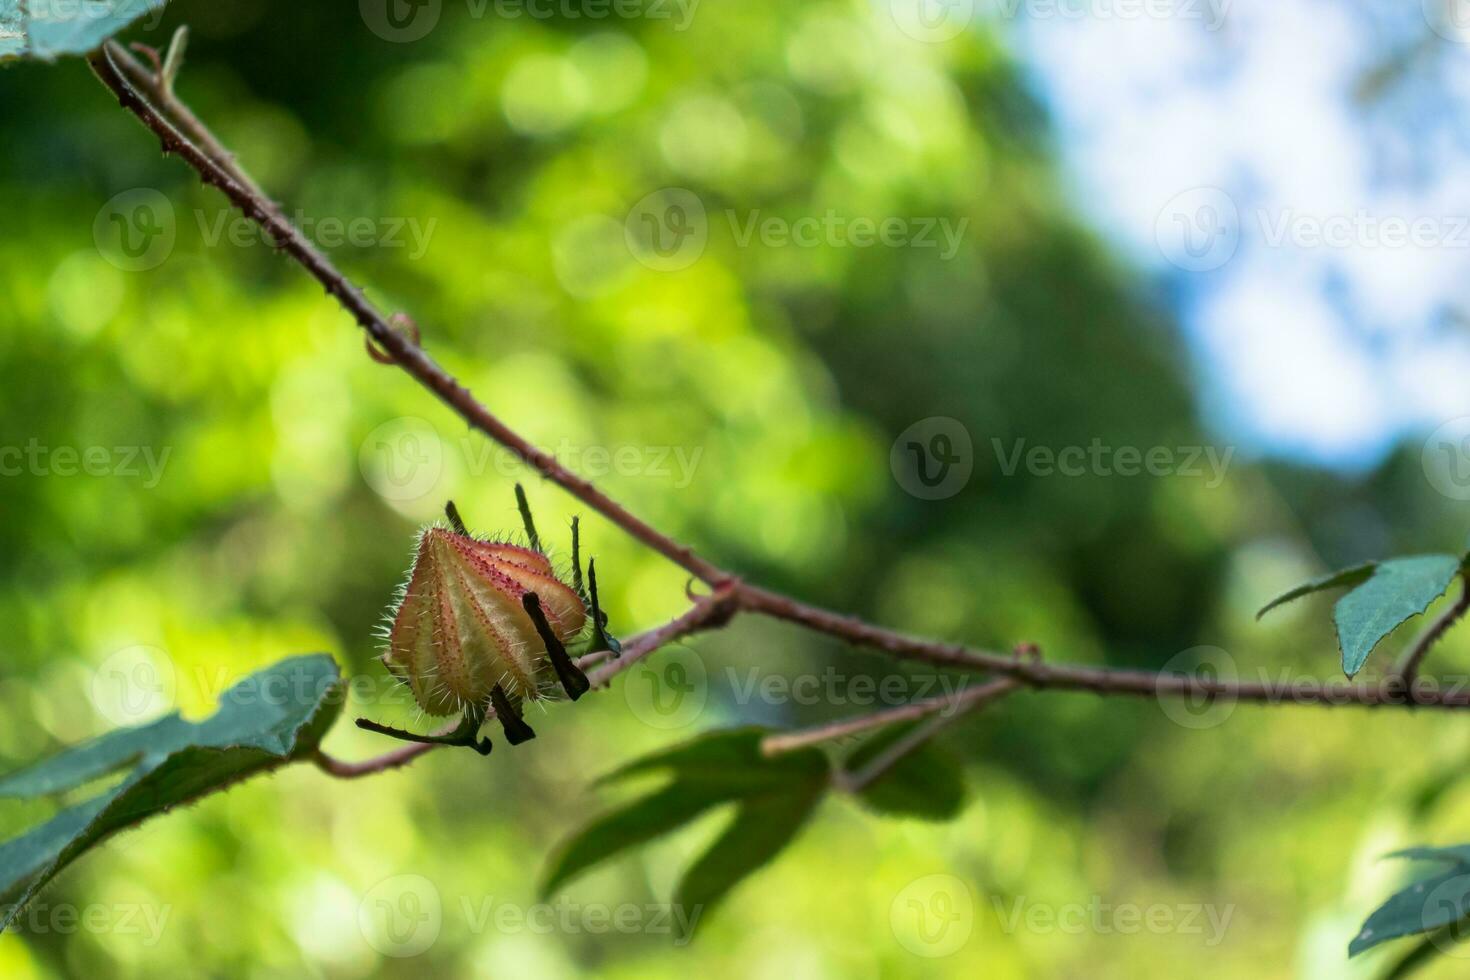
point(152, 100)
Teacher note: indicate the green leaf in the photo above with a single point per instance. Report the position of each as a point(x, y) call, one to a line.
point(762, 829)
point(927, 783)
point(773, 798)
point(1433, 945)
point(1397, 591)
point(1437, 901)
point(1456, 854)
point(43, 30)
point(1356, 575)
point(272, 717)
point(627, 827)
point(731, 759)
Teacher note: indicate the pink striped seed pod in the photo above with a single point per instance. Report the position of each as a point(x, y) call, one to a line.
point(467, 623)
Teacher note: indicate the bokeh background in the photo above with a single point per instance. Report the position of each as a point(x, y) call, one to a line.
point(629, 230)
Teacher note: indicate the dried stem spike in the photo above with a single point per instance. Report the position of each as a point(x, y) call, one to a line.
point(573, 681)
point(469, 727)
point(456, 522)
point(603, 640)
point(516, 729)
point(525, 509)
point(577, 557)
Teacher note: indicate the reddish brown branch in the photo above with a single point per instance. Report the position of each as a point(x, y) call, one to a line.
point(128, 79)
point(948, 706)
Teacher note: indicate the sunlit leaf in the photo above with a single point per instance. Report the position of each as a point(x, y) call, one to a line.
point(773, 797)
point(926, 783)
point(626, 827)
point(762, 828)
point(1429, 904)
point(271, 717)
point(1397, 591)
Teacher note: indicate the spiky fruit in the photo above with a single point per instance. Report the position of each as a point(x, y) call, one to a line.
point(465, 625)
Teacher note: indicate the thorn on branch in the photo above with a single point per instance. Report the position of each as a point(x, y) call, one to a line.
point(401, 322)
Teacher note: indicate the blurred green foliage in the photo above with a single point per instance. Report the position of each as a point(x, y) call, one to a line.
point(277, 523)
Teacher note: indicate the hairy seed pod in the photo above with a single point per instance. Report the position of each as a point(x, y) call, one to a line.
point(465, 624)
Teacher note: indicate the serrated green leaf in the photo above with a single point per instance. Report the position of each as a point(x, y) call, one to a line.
point(1426, 905)
point(1343, 577)
point(29, 29)
point(927, 783)
point(762, 829)
point(1397, 591)
point(271, 717)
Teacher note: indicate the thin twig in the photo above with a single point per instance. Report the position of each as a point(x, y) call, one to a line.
point(946, 705)
point(125, 76)
point(409, 356)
